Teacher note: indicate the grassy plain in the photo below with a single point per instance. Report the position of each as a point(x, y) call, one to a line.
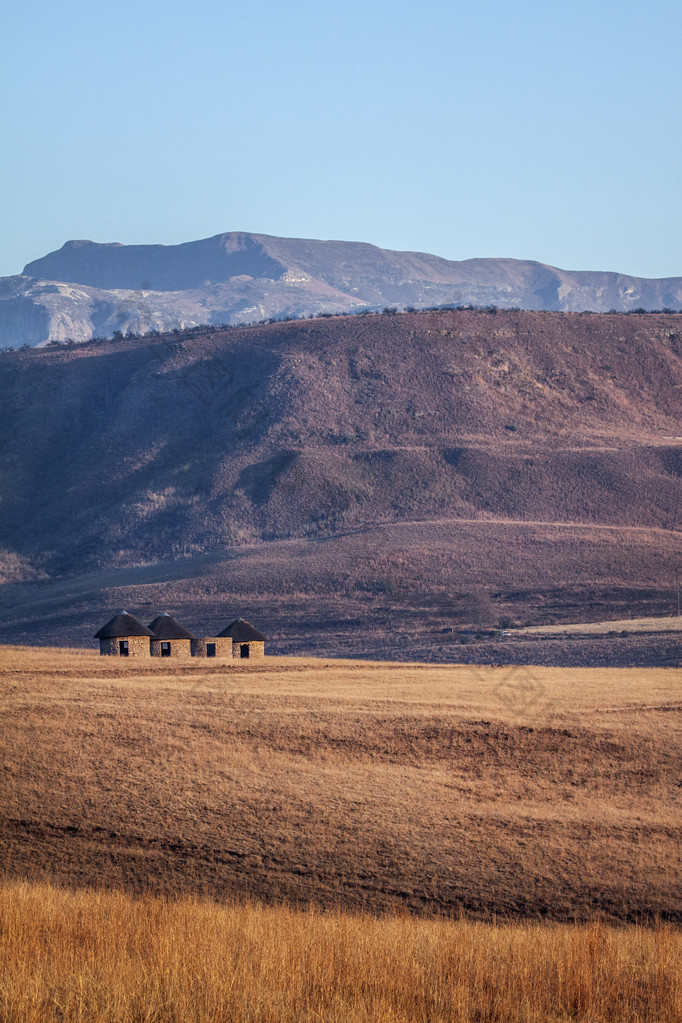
point(106, 957)
point(305, 840)
point(523, 792)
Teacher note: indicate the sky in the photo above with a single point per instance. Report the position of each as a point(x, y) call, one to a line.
point(528, 129)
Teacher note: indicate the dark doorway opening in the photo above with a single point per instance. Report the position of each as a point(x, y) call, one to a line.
point(244, 650)
point(123, 648)
point(210, 649)
point(165, 649)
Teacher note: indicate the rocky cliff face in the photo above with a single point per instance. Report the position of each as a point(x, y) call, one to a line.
point(88, 289)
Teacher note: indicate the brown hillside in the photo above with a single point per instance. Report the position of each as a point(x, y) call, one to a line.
point(513, 451)
point(403, 590)
point(298, 429)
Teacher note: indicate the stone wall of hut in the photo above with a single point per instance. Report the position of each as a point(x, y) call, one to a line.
point(223, 646)
point(180, 648)
point(138, 646)
point(256, 650)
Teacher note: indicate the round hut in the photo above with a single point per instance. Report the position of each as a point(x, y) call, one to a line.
point(124, 636)
point(169, 638)
point(247, 641)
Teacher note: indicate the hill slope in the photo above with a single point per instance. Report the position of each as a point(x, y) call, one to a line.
point(117, 454)
point(87, 288)
point(456, 451)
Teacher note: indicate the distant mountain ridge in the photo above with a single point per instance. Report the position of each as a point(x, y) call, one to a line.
point(90, 289)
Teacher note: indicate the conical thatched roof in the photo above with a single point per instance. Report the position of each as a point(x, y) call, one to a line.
point(121, 625)
point(241, 631)
point(166, 627)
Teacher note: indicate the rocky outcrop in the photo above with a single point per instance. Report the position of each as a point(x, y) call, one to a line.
point(88, 289)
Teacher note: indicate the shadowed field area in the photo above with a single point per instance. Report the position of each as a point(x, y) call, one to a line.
point(106, 957)
point(528, 792)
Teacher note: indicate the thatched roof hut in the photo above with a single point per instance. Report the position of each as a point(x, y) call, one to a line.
point(246, 639)
point(165, 627)
point(241, 631)
point(170, 639)
point(124, 636)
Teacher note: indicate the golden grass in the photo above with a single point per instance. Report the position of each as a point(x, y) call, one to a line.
point(670, 623)
point(534, 792)
point(105, 957)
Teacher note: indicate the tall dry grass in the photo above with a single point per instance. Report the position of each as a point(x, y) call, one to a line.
point(107, 957)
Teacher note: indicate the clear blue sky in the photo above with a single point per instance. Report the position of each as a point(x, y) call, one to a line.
point(533, 129)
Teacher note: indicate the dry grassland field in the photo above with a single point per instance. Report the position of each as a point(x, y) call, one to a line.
point(340, 840)
point(104, 957)
point(670, 623)
point(539, 792)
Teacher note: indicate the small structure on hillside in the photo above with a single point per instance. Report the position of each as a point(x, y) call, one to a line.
point(247, 641)
point(124, 636)
point(169, 638)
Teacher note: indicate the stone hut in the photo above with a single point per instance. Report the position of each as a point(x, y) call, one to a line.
point(246, 640)
point(212, 646)
point(124, 636)
point(169, 638)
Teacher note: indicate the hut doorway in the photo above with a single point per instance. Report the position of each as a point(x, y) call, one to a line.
point(244, 650)
point(210, 649)
point(165, 650)
point(123, 648)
